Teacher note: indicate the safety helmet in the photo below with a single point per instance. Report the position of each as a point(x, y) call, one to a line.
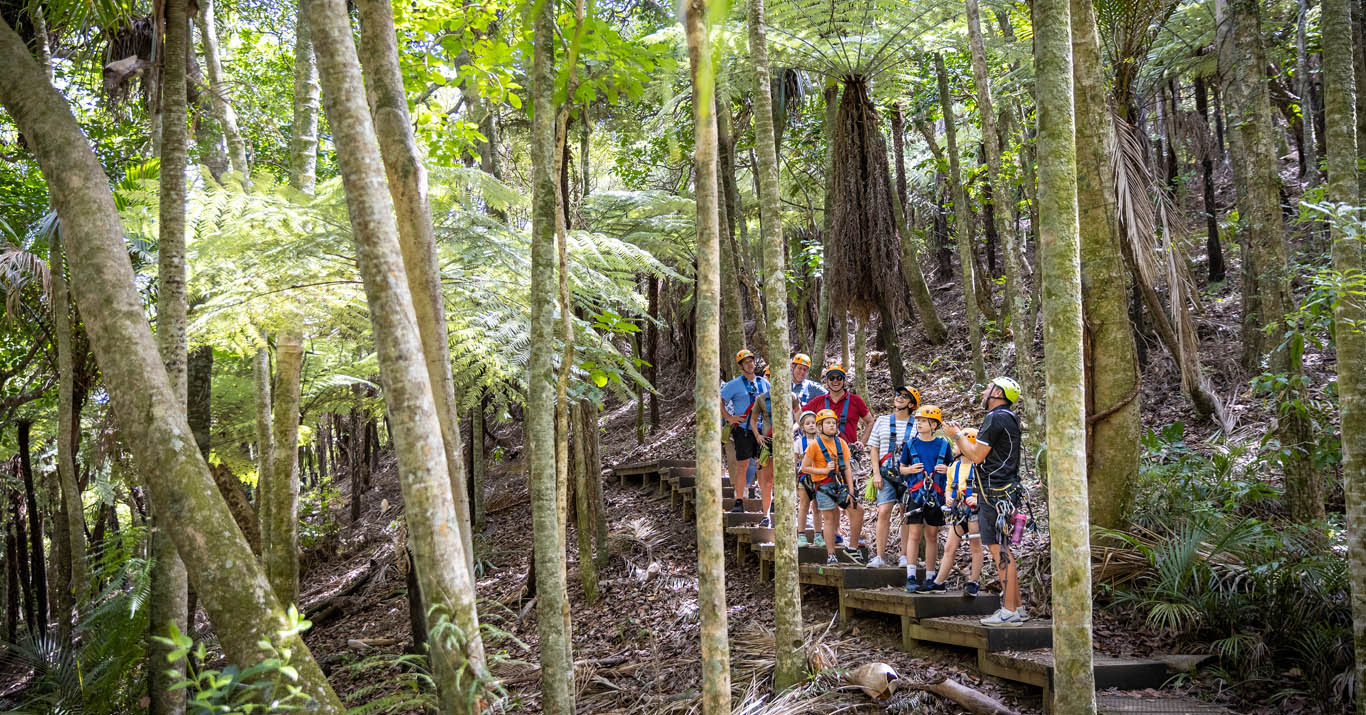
point(970, 433)
point(808, 413)
point(826, 414)
point(740, 356)
point(834, 369)
point(802, 359)
point(914, 393)
point(930, 412)
point(1009, 387)
point(767, 368)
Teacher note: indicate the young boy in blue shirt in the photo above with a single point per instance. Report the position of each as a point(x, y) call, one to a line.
point(925, 464)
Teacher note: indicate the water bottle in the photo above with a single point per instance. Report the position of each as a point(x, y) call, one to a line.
point(1017, 533)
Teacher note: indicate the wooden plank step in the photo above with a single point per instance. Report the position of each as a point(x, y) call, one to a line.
point(689, 471)
point(1150, 704)
point(689, 494)
point(676, 463)
point(636, 468)
point(853, 576)
point(813, 555)
point(897, 601)
point(756, 535)
point(969, 632)
point(1035, 667)
point(741, 518)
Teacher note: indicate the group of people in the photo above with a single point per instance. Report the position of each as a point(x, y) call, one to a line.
point(967, 480)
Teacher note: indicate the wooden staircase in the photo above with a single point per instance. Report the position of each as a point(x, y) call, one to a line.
point(1020, 654)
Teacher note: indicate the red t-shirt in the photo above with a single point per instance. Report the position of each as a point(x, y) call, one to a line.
point(857, 410)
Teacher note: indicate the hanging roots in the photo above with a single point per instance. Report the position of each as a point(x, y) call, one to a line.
point(863, 251)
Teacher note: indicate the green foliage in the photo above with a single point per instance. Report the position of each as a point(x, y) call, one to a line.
point(1175, 481)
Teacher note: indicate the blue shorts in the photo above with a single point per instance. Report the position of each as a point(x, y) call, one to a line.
point(824, 502)
point(887, 494)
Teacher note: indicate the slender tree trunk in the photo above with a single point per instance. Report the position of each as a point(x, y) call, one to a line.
point(787, 597)
point(303, 143)
point(1309, 163)
point(265, 454)
point(1111, 367)
point(12, 593)
point(831, 95)
point(1059, 244)
point(583, 522)
point(1214, 251)
point(218, 90)
point(354, 460)
point(1016, 298)
point(1266, 281)
point(66, 433)
point(1358, 10)
point(861, 354)
point(960, 213)
point(418, 443)
point(652, 342)
point(921, 300)
point(282, 560)
point(1339, 96)
point(408, 186)
point(21, 558)
point(557, 675)
point(597, 501)
point(732, 306)
point(479, 470)
point(199, 390)
point(37, 560)
point(711, 566)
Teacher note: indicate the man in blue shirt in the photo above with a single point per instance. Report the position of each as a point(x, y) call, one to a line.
point(803, 389)
point(737, 399)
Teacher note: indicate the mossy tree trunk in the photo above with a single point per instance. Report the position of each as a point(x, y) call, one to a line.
point(67, 423)
point(1074, 687)
point(831, 95)
point(1309, 163)
point(552, 608)
point(1266, 272)
point(231, 586)
point(265, 454)
point(787, 596)
point(282, 560)
point(966, 262)
point(407, 179)
point(1340, 140)
point(1112, 376)
point(218, 91)
point(583, 505)
point(303, 142)
point(711, 565)
point(434, 526)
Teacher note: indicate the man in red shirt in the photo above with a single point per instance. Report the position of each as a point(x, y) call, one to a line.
point(855, 418)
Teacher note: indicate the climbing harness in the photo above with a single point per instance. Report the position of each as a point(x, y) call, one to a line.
point(835, 488)
point(924, 494)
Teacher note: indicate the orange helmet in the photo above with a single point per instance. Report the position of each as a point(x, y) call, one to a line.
point(914, 393)
point(767, 368)
point(930, 412)
point(826, 414)
point(740, 356)
point(802, 359)
point(834, 369)
point(970, 433)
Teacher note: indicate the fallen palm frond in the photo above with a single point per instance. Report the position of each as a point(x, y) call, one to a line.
point(637, 536)
point(1139, 554)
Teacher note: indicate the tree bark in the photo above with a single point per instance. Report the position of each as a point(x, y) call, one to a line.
point(1358, 10)
point(434, 531)
point(787, 596)
point(1111, 360)
point(265, 453)
point(1340, 121)
point(966, 262)
point(831, 95)
point(37, 561)
point(232, 587)
point(1214, 251)
point(199, 391)
point(1266, 280)
point(652, 343)
point(479, 470)
point(66, 431)
point(557, 675)
point(583, 522)
point(21, 559)
point(417, 240)
point(303, 142)
point(711, 566)
point(1016, 298)
point(282, 560)
point(1309, 163)
point(218, 91)
point(12, 594)
point(1074, 688)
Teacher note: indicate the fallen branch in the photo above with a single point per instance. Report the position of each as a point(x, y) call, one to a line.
point(331, 603)
point(971, 700)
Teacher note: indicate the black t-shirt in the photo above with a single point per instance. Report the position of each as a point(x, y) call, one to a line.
point(1001, 431)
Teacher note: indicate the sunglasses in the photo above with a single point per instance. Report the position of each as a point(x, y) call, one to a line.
point(835, 378)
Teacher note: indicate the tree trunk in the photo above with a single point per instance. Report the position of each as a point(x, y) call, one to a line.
point(1359, 46)
point(1309, 163)
point(831, 95)
point(583, 522)
point(596, 499)
point(1111, 367)
point(787, 597)
point(1059, 244)
point(921, 300)
point(479, 466)
point(960, 212)
point(37, 561)
point(408, 186)
point(711, 565)
point(199, 391)
point(1340, 101)
point(66, 435)
point(12, 593)
point(557, 675)
point(652, 341)
point(355, 462)
point(1016, 299)
point(861, 355)
point(1266, 281)
point(282, 560)
point(1214, 251)
point(457, 656)
point(218, 91)
point(21, 559)
point(303, 142)
point(733, 337)
point(264, 450)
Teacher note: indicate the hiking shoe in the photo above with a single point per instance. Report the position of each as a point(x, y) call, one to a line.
point(801, 540)
point(854, 555)
point(830, 560)
point(1022, 614)
point(876, 563)
point(901, 561)
point(764, 523)
point(970, 590)
point(912, 584)
point(933, 586)
point(1002, 617)
point(739, 507)
point(819, 541)
point(839, 538)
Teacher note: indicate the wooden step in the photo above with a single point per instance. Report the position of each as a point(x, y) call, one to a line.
point(741, 518)
point(689, 494)
point(969, 632)
point(1150, 704)
point(851, 576)
point(911, 607)
point(811, 559)
point(1035, 667)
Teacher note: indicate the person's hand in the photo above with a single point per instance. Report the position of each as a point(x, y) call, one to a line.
point(916, 468)
point(948, 504)
point(942, 469)
point(972, 502)
point(951, 430)
point(903, 469)
point(877, 480)
point(735, 419)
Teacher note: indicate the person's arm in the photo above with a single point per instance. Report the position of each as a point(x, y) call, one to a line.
point(974, 452)
point(865, 424)
point(809, 466)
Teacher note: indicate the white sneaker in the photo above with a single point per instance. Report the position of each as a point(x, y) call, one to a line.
point(801, 539)
point(1022, 614)
point(876, 563)
point(901, 562)
point(1002, 617)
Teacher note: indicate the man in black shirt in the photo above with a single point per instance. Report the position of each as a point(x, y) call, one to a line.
point(997, 450)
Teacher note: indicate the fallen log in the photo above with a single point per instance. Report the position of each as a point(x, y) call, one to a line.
point(970, 700)
point(332, 603)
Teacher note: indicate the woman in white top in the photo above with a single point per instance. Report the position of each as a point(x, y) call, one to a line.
point(884, 444)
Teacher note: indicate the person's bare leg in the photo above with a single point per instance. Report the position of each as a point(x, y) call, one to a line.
point(856, 525)
point(946, 561)
point(975, 547)
point(803, 502)
point(913, 532)
point(737, 480)
point(884, 523)
point(765, 477)
point(832, 521)
point(1011, 597)
point(931, 547)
